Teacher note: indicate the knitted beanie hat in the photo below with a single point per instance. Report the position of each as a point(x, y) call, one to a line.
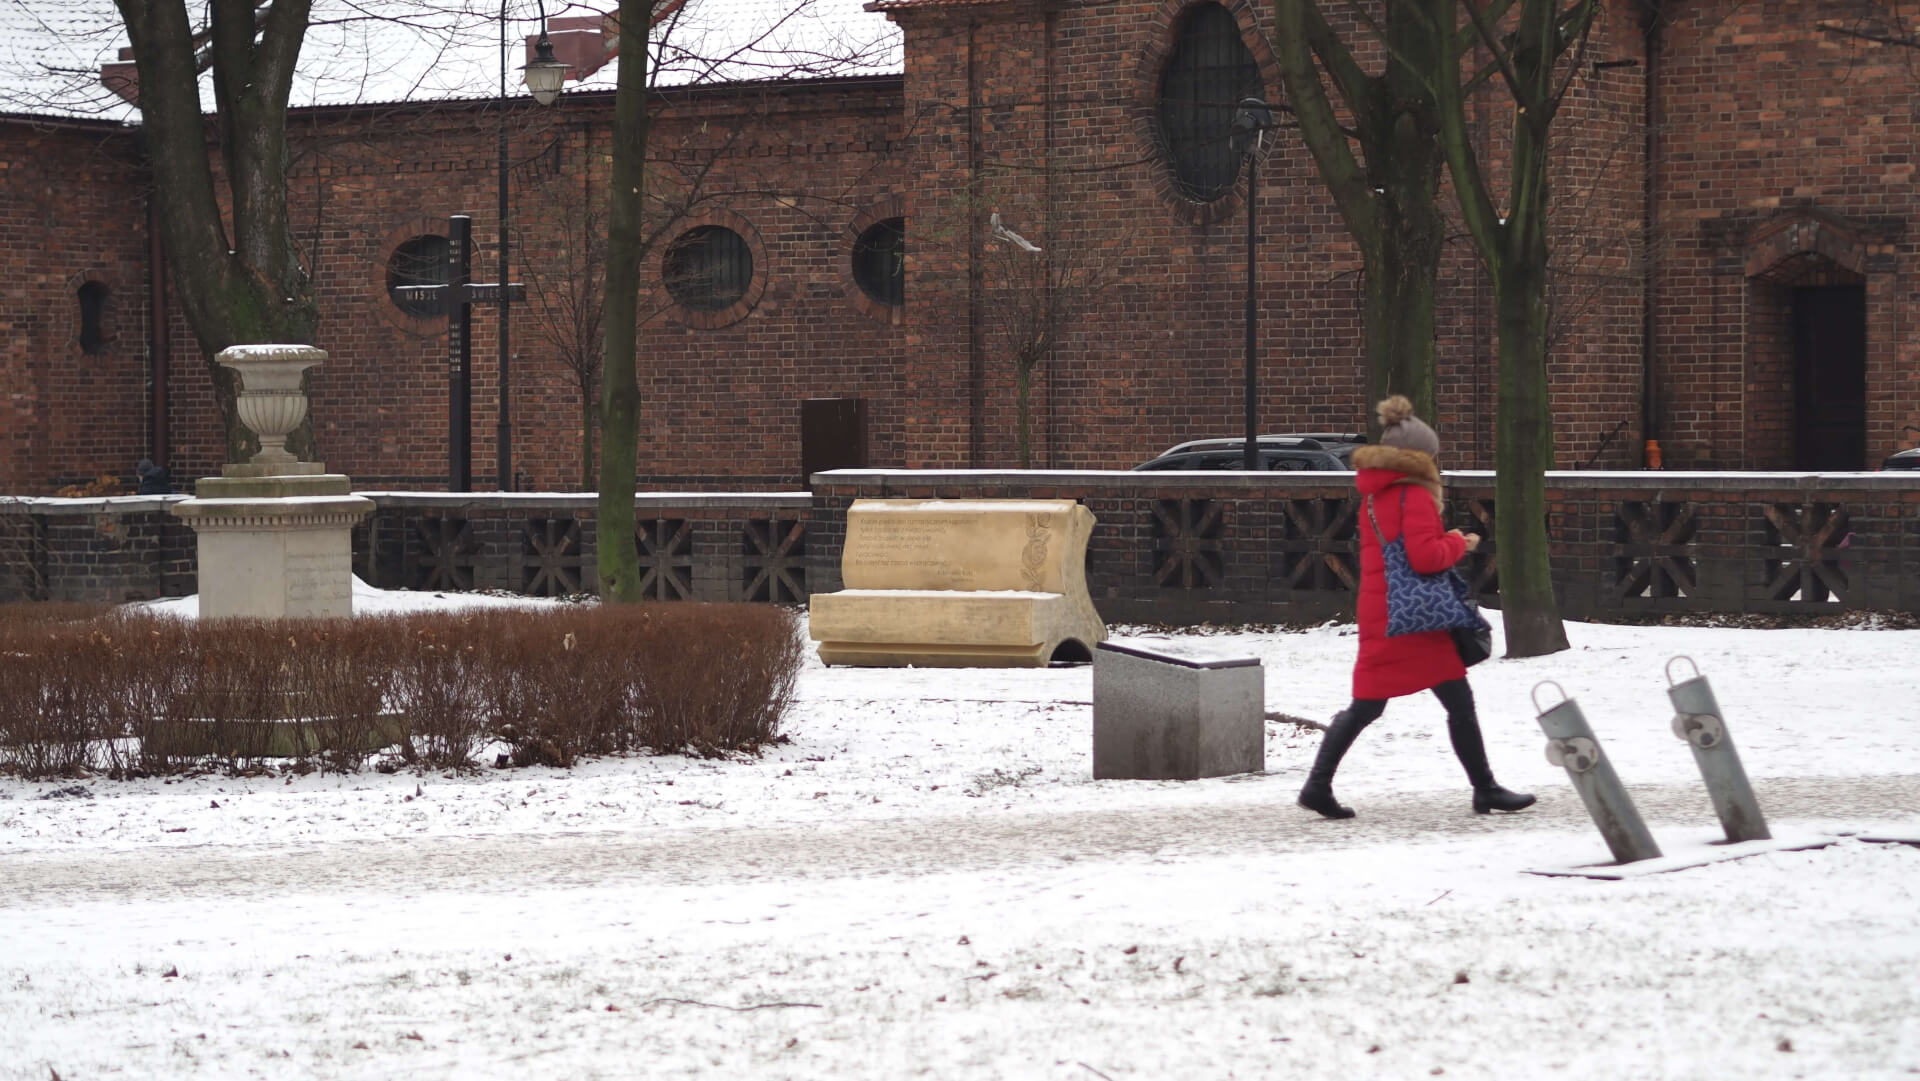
point(1404, 430)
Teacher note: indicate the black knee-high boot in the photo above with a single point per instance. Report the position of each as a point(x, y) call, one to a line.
point(1317, 794)
point(1463, 728)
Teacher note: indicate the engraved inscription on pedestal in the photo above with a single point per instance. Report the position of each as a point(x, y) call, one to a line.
point(311, 578)
point(894, 545)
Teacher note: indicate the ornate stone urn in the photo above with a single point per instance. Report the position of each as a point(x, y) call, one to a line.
point(270, 400)
point(275, 533)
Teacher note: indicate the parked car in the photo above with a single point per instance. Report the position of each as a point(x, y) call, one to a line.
point(1322, 452)
point(1903, 459)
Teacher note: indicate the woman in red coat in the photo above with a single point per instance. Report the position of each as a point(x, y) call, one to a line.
point(1400, 483)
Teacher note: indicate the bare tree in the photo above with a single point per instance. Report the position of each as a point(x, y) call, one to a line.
point(1375, 140)
point(566, 270)
point(1034, 289)
point(245, 283)
point(667, 41)
point(1537, 55)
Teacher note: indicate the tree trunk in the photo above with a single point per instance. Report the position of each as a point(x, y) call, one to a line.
point(1398, 314)
point(1523, 451)
point(1389, 197)
point(246, 286)
point(617, 550)
point(1510, 234)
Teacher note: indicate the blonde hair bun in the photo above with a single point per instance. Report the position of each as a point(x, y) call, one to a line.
point(1394, 410)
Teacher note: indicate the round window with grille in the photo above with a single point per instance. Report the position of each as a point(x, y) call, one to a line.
point(1209, 70)
point(708, 268)
point(880, 261)
point(421, 260)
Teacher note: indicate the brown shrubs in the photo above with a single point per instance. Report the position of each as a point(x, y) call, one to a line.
point(714, 684)
point(132, 693)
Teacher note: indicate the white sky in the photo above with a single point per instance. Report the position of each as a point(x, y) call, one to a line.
point(376, 51)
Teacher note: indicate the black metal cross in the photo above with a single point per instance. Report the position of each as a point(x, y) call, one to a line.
point(463, 293)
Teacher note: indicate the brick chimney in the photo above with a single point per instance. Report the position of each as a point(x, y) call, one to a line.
point(584, 43)
point(122, 79)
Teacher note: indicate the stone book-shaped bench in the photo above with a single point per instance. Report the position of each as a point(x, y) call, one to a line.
point(960, 583)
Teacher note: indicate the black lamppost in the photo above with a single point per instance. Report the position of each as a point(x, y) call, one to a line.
point(1250, 126)
point(543, 75)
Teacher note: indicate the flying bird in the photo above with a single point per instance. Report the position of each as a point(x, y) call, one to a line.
point(1001, 232)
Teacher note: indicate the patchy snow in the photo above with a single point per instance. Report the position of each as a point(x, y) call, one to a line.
point(913, 508)
point(925, 882)
point(368, 601)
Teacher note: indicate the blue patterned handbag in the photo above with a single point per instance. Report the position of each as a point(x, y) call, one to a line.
point(1417, 603)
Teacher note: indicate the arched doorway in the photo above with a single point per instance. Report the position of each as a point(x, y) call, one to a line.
point(1808, 374)
point(1829, 377)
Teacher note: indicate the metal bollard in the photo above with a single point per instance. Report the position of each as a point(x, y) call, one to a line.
point(1697, 720)
point(1571, 743)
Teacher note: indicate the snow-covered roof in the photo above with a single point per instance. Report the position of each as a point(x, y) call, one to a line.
point(382, 51)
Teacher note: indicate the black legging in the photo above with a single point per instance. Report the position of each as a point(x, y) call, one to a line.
point(1463, 726)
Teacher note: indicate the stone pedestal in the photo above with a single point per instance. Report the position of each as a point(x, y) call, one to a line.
point(274, 534)
point(960, 584)
point(1170, 713)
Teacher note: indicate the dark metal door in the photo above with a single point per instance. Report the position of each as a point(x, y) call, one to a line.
point(833, 435)
point(1830, 377)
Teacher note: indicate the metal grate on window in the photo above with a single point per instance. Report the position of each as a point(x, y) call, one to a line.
point(1209, 71)
point(880, 261)
point(708, 268)
point(419, 261)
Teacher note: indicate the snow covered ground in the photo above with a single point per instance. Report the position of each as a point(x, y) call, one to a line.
point(925, 882)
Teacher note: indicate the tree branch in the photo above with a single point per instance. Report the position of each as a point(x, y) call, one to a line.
point(1352, 82)
point(1319, 127)
point(1502, 58)
point(1905, 42)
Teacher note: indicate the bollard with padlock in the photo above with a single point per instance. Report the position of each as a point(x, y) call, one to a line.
point(1697, 720)
point(1571, 744)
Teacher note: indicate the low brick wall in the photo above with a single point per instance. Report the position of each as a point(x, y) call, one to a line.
point(693, 546)
point(1226, 547)
point(1239, 547)
point(118, 549)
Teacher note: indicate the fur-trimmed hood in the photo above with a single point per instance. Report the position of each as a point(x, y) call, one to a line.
point(1377, 468)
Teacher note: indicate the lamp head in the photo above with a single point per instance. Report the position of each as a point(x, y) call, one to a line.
point(1250, 124)
point(544, 74)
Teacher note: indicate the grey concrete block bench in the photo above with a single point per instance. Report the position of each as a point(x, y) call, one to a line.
point(1163, 711)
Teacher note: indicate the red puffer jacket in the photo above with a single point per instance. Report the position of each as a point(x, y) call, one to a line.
point(1404, 487)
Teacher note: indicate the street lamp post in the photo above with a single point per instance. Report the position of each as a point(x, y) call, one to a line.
point(1250, 126)
point(544, 76)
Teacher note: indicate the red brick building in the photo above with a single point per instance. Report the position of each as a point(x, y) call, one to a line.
point(1734, 276)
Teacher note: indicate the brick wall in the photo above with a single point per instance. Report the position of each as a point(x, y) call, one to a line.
point(72, 211)
point(792, 169)
point(1780, 158)
point(720, 397)
point(1783, 158)
point(1046, 114)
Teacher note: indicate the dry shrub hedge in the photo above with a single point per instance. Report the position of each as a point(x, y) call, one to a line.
point(133, 694)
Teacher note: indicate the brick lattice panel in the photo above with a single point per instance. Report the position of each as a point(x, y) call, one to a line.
point(1224, 548)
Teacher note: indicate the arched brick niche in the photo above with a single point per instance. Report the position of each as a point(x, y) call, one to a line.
point(1164, 36)
point(691, 229)
point(873, 303)
point(93, 315)
point(1819, 312)
point(391, 265)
